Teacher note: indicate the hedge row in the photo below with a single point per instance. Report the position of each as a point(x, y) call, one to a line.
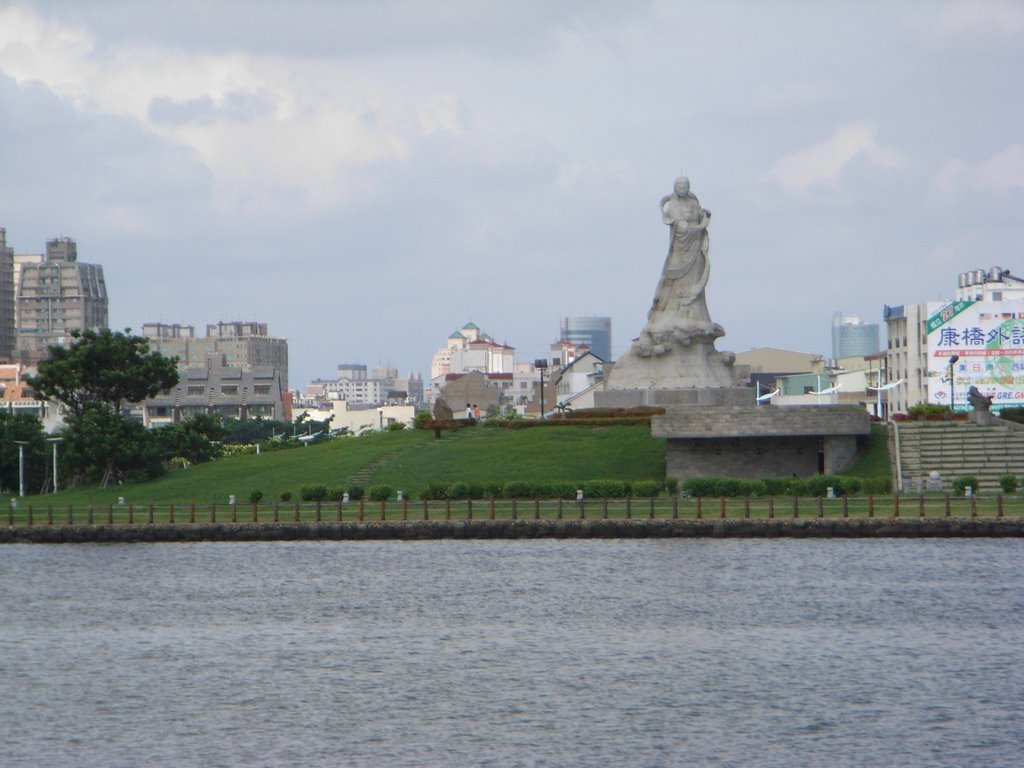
point(818, 485)
point(707, 487)
point(612, 413)
point(622, 421)
point(523, 489)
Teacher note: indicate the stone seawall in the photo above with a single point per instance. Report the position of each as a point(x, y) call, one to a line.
point(954, 527)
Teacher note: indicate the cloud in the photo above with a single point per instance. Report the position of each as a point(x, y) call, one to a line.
point(974, 20)
point(794, 95)
point(823, 164)
point(276, 133)
point(1002, 172)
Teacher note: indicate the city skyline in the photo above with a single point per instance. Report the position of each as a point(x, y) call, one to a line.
point(366, 177)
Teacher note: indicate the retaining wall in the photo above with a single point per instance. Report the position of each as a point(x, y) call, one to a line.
point(954, 527)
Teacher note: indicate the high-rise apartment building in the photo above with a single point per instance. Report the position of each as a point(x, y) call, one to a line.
point(57, 296)
point(243, 345)
point(8, 329)
point(595, 332)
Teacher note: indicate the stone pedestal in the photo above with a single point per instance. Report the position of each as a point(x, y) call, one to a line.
point(981, 418)
point(760, 441)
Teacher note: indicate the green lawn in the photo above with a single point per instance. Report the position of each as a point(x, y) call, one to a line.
point(406, 460)
point(876, 461)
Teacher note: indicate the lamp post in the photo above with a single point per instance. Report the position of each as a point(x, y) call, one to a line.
point(21, 466)
point(56, 482)
point(380, 415)
point(952, 390)
point(541, 365)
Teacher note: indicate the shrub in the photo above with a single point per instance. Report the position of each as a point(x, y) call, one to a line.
point(434, 492)
point(713, 487)
point(604, 489)
point(672, 486)
point(517, 489)
point(1015, 415)
point(459, 491)
point(700, 486)
point(335, 494)
point(378, 492)
point(960, 484)
point(286, 496)
point(851, 485)
point(313, 492)
point(396, 426)
point(421, 418)
point(757, 488)
point(1008, 483)
point(646, 489)
point(255, 496)
point(928, 411)
point(492, 490)
point(819, 485)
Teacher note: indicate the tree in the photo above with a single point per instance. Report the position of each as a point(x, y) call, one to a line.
point(196, 439)
point(103, 446)
point(95, 378)
point(103, 367)
point(22, 427)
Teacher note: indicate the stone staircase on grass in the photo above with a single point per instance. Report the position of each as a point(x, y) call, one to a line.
point(954, 449)
point(363, 476)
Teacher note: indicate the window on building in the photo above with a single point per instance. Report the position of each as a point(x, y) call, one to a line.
point(196, 391)
point(230, 390)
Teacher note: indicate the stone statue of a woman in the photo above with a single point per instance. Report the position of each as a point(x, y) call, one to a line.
point(676, 348)
point(680, 291)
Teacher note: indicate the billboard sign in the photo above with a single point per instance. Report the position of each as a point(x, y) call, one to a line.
point(987, 340)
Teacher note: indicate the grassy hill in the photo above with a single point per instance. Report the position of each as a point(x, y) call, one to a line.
point(406, 460)
point(410, 460)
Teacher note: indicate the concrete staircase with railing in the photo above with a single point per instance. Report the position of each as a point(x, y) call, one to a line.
point(954, 449)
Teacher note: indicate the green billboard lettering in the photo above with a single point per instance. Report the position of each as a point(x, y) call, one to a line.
point(946, 314)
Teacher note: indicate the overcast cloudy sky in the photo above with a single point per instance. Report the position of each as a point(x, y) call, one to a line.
point(366, 177)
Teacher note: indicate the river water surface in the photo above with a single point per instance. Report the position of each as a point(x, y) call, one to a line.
point(523, 653)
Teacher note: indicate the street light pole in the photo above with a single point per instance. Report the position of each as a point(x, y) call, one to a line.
point(541, 365)
point(952, 390)
point(21, 467)
point(56, 482)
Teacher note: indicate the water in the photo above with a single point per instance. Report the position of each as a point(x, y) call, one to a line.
point(539, 653)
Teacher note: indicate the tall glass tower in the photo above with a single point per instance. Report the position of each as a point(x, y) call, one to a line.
point(595, 332)
point(852, 337)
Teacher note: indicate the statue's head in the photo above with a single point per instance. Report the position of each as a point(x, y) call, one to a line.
point(682, 186)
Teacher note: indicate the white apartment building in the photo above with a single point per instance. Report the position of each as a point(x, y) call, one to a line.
point(469, 349)
point(937, 351)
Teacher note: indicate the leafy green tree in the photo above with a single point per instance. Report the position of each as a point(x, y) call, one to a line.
point(107, 367)
point(95, 378)
point(102, 446)
point(196, 439)
point(28, 429)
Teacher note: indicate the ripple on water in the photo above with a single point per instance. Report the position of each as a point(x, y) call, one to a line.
point(546, 653)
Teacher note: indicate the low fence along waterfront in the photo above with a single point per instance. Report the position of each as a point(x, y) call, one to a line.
point(768, 513)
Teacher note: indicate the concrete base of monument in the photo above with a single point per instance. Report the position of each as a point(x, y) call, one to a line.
point(702, 396)
point(753, 442)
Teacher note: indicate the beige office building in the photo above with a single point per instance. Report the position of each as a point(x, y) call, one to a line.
point(243, 345)
point(55, 297)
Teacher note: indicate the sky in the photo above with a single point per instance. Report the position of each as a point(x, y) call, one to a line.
point(367, 177)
